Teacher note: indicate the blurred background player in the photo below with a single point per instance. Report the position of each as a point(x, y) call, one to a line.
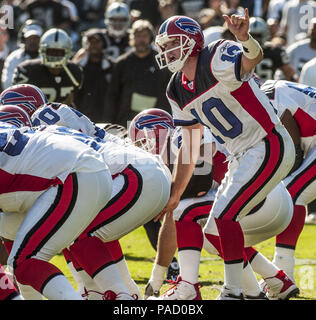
point(58, 78)
point(301, 52)
point(274, 56)
point(28, 40)
point(97, 71)
point(4, 48)
point(117, 22)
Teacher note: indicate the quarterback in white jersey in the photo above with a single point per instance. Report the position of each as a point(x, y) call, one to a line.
point(141, 188)
point(61, 183)
point(300, 101)
point(211, 87)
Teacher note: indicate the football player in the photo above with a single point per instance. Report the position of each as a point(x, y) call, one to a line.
point(28, 40)
point(117, 21)
point(264, 221)
point(137, 177)
point(212, 87)
point(297, 105)
point(58, 78)
point(60, 183)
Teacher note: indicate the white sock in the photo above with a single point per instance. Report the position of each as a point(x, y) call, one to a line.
point(157, 276)
point(58, 288)
point(233, 276)
point(77, 278)
point(284, 259)
point(261, 265)
point(29, 293)
point(90, 285)
point(128, 280)
point(189, 261)
point(110, 279)
point(249, 282)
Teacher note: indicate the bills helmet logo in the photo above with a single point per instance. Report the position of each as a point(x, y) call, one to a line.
point(188, 26)
point(153, 122)
point(28, 103)
point(14, 118)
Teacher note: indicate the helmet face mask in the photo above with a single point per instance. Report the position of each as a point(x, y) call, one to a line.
point(55, 48)
point(190, 38)
point(185, 46)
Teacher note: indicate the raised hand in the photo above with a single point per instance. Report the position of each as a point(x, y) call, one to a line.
point(238, 25)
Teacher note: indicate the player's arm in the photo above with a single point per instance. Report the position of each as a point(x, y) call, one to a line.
point(252, 52)
point(283, 62)
point(69, 99)
point(184, 167)
point(20, 75)
point(289, 73)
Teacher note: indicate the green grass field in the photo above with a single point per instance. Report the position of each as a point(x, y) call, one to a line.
point(140, 256)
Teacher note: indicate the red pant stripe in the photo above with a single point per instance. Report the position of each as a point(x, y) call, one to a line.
point(197, 211)
point(51, 221)
point(271, 163)
point(302, 181)
point(119, 204)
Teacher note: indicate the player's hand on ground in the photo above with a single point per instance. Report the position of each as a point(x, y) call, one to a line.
point(238, 25)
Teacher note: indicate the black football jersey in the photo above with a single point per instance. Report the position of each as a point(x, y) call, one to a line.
point(56, 88)
point(273, 59)
point(116, 46)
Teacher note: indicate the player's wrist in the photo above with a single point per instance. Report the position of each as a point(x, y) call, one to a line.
point(243, 38)
point(251, 47)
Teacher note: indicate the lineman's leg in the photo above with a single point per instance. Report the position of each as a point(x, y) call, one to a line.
point(55, 220)
point(301, 185)
point(138, 196)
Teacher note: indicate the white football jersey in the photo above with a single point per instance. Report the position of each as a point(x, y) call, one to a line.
point(116, 153)
point(237, 112)
point(32, 161)
point(300, 100)
point(300, 53)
